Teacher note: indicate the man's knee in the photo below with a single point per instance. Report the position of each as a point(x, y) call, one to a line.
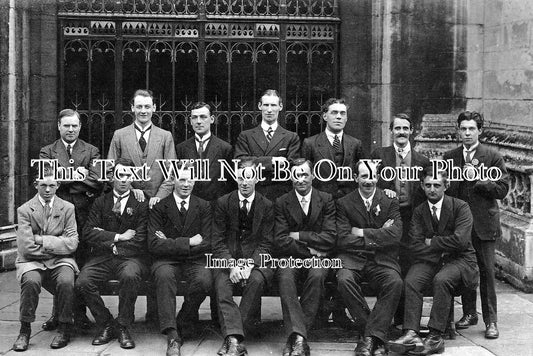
point(344, 278)
point(317, 276)
point(164, 274)
point(31, 280)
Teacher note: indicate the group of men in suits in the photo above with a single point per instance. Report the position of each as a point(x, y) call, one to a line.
point(167, 227)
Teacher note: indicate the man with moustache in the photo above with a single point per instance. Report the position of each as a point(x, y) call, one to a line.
point(116, 232)
point(47, 237)
point(370, 228)
point(304, 227)
point(409, 193)
point(204, 145)
point(482, 197)
point(71, 151)
point(335, 145)
point(443, 257)
point(143, 143)
point(269, 143)
point(179, 232)
point(243, 229)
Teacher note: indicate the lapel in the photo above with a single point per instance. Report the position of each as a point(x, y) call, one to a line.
point(173, 211)
point(323, 146)
point(359, 205)
point(445, 213)
point(258, 212)
point(59, 152)
point(294, 208)
point(348, 145)
point(192, 213)
point(190, 149)
point(125, 217)
point(278, 136)
point(153, 145)
point(426, 215)
point(457, 156)
point(480, 154)
point(211, 151)
point(133, 145)
point(57, 210)
point(316, 206)
point(78, 152)
point(38, 212)
point(233, 210)
point(259, 137)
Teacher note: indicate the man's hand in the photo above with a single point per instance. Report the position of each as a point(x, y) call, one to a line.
point(246, 271)
point(235, 275)
point(357, 231)
point(390, 193)
point(70, 232)
point(195, 240)
point(153, 201)
point(279, 159)
point(388, 223)
point(126, 236)
point(427, 242)
point(295, 235)
point(315, 252)
point(138, 194)
point(160, 235)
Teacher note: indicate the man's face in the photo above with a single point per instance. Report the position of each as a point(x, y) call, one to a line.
point(201, 121)
point(143, 107)
point(367, 178)
point(401, 131)
point(302, 179)
point(469, 132)
point(183, 184)
point(246, 180)
point(46, 188)
point(69, 128)
point(434, 188)
point(336, 117)
point(123, 184)
point(270, 108)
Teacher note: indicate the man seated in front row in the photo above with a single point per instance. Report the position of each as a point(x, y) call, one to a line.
point(47, 238)
point(116, 234)
point(443, 257)
point(304, 227)
point(370, 229)
point(179, 232)
point(243, 229)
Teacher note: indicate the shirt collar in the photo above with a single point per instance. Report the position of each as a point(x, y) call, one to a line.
point(115, 194)
point(265, 126)
point(179, 200)
point(307, 196)
point(406, 149)
point(206, 137)
point(472, 148)
point(71, 144)
point(250, 198)
point(438, 204)
point(331, 135)
point(41, 200)
point(149, 128)
point(370, 198)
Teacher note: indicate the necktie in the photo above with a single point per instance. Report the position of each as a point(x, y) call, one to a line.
point(434, 217)
point(200, 147)
point(116, 206)
point(336, 144)
point(304, 205)
point(269, 133)
point(368, 204)
point(244, 208)
point(468, 158)
point(47, 211)
point(69, 151)
point(400, 152)
point(183, 211)
point(142, 141)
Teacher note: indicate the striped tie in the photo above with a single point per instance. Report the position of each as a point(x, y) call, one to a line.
point(336, 144)
point(269, 134)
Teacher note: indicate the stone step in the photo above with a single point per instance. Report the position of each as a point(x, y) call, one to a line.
point(8, 247)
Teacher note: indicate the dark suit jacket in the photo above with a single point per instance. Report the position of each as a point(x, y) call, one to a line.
point(388, 159)
point(83, 154)
point(253, 144)
point(319, 233)
point(160, 145)
point(378, 244)
point(164, 217)
point(216, 149)
point(318, 147)
point(226, 228)
point(481, 196)
point(451, 243)
point(102, 226)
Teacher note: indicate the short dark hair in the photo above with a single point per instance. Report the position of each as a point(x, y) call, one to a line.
point(471, 115)
point(199, 105)
point(142, 92)
point(331, 101)
point(67, 112)
point(270, 92)
point(301, 161)
point(247, 162)
point(47, 171)
point(361, 161)
point(403, 116)
point(428, 172)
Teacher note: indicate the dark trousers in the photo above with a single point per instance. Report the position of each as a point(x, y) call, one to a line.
point(166, 278)
point(445, 282)
point(299, 315)
point(128, 271)
point(388, 284)
point(231, 316)
point(485, 254)
point(58, 281)
point(404, 256)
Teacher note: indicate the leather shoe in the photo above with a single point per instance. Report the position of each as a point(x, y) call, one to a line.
point(124, 338)
point(366, 347)
point(492, 331)
point(466, 321)
point(433, 344)
point(288, 347)
point(60, 341)
point(232, 347)
point(174, 347)
point(105, 335)
point(299, 346)
point(410, 341)
point(22, 342)
point(50, 324)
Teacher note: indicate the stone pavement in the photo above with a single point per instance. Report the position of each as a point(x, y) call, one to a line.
point(515, 313)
